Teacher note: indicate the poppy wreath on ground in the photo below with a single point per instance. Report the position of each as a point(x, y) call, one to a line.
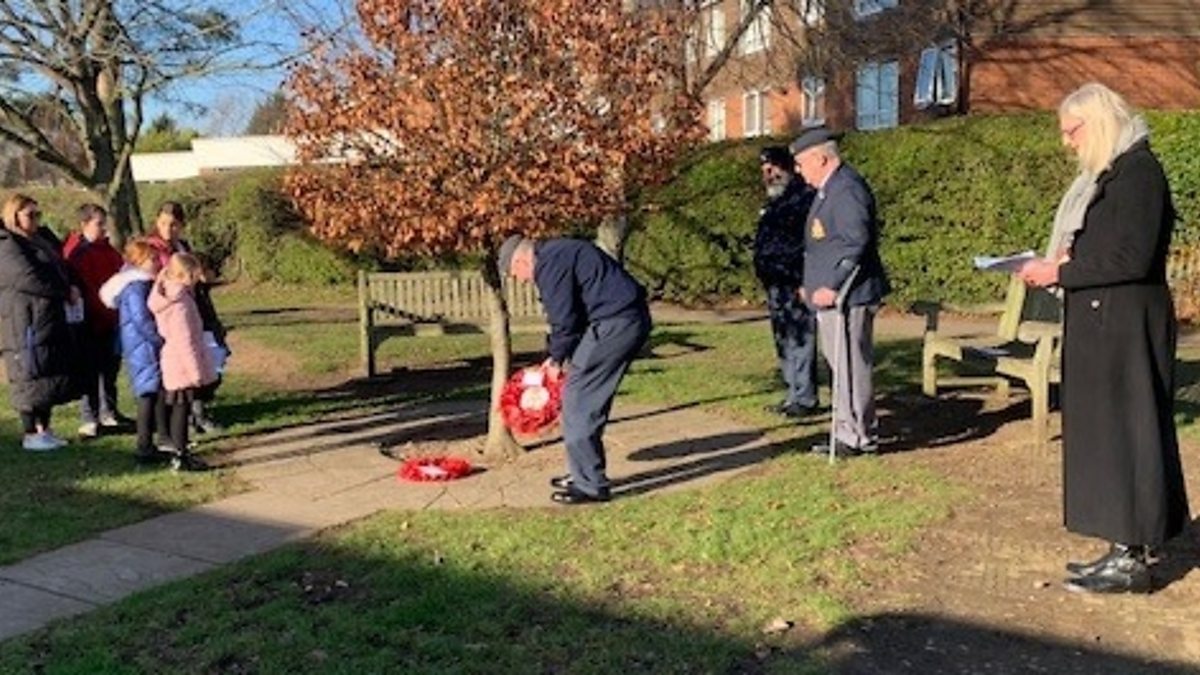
point(424, 469)
point(531, 401)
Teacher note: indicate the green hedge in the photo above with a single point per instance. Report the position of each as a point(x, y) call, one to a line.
point(946, 191)
point(240, 221)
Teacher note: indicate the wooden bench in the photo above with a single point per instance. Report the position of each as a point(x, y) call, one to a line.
point(1028, 340)
point(1025, 347)
point(433, 303)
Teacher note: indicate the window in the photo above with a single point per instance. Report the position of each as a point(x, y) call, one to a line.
point(877, 95)
point(716, 120)
point(813, 12)
point(937, 78)
point(868, 7)
point(758, 34)
point(754, 114)
point(714, 22)
point(813, 113)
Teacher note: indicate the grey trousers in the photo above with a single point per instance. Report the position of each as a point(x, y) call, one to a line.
point(855, 404)
point(595, 371)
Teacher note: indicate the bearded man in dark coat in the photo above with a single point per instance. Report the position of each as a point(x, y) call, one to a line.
point(1122, 477)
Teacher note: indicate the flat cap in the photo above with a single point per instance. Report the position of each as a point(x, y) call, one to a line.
point(812, 138)
point(505, 256)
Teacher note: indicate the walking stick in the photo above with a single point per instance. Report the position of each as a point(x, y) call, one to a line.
point(839, 348)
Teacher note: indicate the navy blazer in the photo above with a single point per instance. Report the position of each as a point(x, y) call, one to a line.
point(841, 231)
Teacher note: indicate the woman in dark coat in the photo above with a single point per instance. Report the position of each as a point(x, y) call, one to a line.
point(38, 353)
point(1122, 478)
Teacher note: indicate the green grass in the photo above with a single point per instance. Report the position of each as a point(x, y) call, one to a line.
point(678, 583)
point(660, 583)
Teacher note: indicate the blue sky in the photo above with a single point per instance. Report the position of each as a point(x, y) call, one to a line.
point(222, 104)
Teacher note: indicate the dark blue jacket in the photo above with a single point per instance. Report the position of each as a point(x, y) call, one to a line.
point(580, 284)
point(127, 291)
point(841, 233)
point(779, 241)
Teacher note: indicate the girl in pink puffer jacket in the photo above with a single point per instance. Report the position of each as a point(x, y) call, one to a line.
point(187, 362)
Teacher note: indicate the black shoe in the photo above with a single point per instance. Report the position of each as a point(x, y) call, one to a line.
point(796, 410)
point(1083, 569)
point(188, 463)
point(153, 456)
point(1128, 573)
point(562, 482)
point(572, 496)
point(841, 449)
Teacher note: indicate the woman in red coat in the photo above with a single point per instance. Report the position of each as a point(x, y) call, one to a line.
point(1122, 478)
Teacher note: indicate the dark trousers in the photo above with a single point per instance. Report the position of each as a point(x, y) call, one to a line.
point(32, 419)
point(595, 371)
point(100, 381)
point(795, 330)
point(151, 419)
point(179, 417)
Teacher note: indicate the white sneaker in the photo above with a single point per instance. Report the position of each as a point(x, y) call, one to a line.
point(89, 430)
point(40, 442)
point(58, 442)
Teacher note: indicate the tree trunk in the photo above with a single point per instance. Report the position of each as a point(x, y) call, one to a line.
point(612, 235)
point(122, 204)
point(500, 443)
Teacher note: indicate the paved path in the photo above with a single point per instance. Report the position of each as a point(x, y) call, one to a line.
point(313, 477)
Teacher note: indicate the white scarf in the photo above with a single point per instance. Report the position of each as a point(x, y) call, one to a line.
point(1068, 220)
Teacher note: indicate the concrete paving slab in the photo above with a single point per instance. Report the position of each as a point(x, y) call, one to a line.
point(98, 571)
point(24, 609)
point(212, 537)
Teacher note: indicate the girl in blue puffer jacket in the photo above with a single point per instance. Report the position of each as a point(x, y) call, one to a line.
point(127, 292)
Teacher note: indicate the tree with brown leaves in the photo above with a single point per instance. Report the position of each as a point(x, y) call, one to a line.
point(470, 120)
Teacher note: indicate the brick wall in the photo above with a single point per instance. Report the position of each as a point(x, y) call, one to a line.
point(1160, 73)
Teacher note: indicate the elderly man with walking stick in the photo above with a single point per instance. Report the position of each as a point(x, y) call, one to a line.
point(844, 281)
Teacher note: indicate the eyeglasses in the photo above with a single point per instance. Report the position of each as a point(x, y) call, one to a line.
point(1070, 132)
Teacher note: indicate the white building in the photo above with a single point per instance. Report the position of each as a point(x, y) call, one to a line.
point(212, 155)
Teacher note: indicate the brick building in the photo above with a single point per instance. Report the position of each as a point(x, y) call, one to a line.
point(898, 64)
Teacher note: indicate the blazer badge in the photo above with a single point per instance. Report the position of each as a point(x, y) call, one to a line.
point(818, 229)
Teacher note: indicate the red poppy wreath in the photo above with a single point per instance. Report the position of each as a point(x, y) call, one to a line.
point(531, 401)
point(424, 469)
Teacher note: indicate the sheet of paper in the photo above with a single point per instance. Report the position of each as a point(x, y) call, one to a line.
point(1010, 263)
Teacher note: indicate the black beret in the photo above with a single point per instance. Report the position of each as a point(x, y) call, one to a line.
point(779, 156)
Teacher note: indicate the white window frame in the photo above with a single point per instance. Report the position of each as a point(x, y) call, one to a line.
point(812, 91)
point(757, 36)
point(756, 120)
point(865, 8)
point(714, 29)
point(877, 95)
point(715, 114)
point(937, 76)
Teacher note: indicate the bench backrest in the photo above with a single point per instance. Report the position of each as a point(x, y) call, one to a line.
point(429, 297)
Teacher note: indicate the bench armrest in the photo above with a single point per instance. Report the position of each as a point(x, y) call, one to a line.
point(1035, 331)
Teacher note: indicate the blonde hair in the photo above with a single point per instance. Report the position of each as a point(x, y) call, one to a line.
point(138, 251)
point(13, 206)
point(185, 268)
point(1105, 116)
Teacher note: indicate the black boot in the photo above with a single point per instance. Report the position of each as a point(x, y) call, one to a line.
point(1082, 569)
point(1127, 572)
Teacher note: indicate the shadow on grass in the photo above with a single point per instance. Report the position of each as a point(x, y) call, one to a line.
point(360, 606)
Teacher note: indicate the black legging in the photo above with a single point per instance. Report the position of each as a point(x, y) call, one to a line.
point(32, 419)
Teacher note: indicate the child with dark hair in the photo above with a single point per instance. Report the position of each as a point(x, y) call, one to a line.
point(93, 261)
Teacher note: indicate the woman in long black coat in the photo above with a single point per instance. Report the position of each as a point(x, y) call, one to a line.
point(39, 358)
point(1122, 478)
